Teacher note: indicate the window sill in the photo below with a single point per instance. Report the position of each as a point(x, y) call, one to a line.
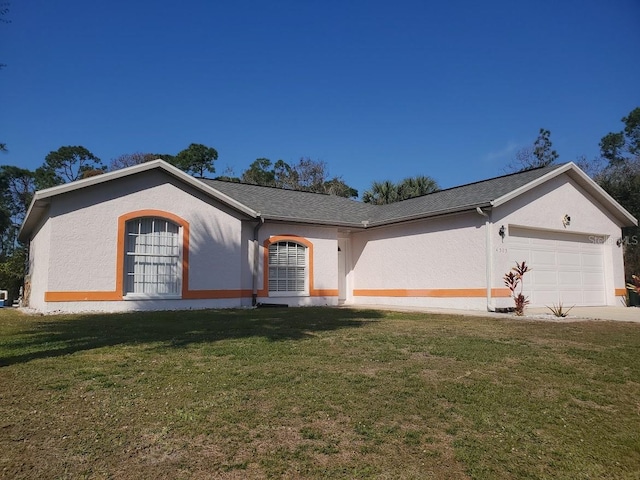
point(148, 296)
point(289, 294)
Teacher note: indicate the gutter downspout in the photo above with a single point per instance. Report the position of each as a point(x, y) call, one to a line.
point(256, 261)
point(488, 258)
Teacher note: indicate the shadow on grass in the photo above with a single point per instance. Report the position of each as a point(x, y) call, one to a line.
point(48, 337)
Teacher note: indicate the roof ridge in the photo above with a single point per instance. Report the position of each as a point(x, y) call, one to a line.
point(550, 167)
point(275, 187)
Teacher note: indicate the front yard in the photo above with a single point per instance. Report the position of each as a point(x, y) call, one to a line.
point(316, 393)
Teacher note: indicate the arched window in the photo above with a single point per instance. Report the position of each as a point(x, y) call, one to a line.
point(153, 259)
point(288, 271)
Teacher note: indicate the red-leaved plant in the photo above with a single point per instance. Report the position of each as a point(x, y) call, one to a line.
point(512, 280)
point(634, 286)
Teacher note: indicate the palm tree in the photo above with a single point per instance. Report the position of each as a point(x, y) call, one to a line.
point(382, 193)
point(416, 186)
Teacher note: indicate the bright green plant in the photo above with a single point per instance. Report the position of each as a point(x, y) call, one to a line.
point(559, 311)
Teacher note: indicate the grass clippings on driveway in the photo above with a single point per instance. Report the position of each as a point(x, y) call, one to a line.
point(316, 393)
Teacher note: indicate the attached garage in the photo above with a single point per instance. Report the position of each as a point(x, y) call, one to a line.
point(566, 268)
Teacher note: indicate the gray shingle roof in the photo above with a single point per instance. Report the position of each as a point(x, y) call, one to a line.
point(281, 204)
point(464, 197)
point(276, 203)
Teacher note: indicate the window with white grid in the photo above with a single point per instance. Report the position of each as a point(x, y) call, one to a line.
point(153, 263)
point(288, 269)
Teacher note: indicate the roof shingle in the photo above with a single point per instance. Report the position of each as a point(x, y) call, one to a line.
point(282, 204)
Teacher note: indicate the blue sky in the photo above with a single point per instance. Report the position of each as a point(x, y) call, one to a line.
point(376, 89)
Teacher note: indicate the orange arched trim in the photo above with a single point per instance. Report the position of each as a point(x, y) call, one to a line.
point(122, 222)
point(118, 292)
point(264, 292)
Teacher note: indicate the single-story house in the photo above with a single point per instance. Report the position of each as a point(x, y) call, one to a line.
point(153, 237)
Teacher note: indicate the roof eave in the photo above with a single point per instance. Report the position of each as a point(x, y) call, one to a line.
point(43, 195)
point(312, 221)
point(435, 213)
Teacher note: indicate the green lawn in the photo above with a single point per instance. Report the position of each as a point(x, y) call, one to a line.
point(316, 393)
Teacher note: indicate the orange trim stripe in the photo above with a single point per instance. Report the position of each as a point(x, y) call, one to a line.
point(113, 296)
point(433, 292)
point(118, 293)
point(81, 296)
point(326, 292)
point(264, 291)
point(621, 292)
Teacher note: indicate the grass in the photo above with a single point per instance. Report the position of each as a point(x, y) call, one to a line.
point(316, 393)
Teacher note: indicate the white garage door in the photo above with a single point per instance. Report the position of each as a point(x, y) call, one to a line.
point(565, 267)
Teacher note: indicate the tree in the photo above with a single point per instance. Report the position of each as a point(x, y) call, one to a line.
point(416, 187)
point(260, 173)
point(620, 147)
point(67, 164)
point(540, 154)
point(130, 159)
point(17, 186)
point(307, 175)
point(336, 186)
point(196, 159)
point(383, 193)
point(620, 177)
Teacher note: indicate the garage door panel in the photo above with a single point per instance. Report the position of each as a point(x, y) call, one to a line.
point(542, 278)
point(592, 260)
point(569, 259)
point(568, 298)
point(592, 279)
point(543, 258)
point(565, 268)
point(569, 279)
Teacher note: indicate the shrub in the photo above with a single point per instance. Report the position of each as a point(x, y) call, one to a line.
point(559, 311)
point(512, 280)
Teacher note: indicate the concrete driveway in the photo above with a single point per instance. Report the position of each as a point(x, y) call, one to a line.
point(622, 314)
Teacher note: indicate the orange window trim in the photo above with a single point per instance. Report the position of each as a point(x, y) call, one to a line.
point(432, 292)
point(264, 292)
point(122, 221)
point(118, 293)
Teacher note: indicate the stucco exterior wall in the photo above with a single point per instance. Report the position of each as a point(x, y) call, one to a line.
point(324, 263)
point(543, 208)
point(38, 269)
point(85, 223)
point(437, 262)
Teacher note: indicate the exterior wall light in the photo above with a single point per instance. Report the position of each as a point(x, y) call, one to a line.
point(566, 221)
point(501, 232)
point(619, 242)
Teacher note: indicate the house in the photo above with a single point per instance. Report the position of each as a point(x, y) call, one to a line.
point(152, 237)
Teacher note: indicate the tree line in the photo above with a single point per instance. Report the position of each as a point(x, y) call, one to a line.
point(616, 169)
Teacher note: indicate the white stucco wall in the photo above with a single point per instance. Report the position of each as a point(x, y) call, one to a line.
point(325, 262)
point(543, 208)
point(83, 229)
point(39, 265)
point(438, 253)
